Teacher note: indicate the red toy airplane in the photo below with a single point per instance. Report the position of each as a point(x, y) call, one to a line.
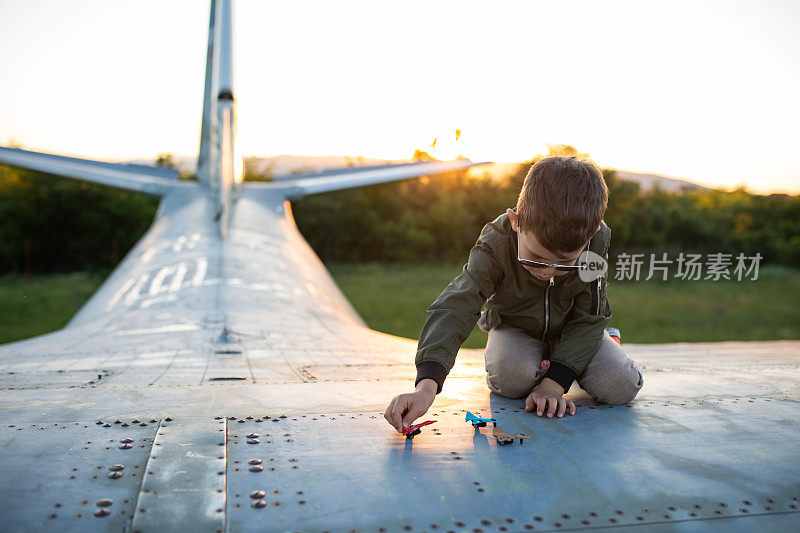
point(410, 431)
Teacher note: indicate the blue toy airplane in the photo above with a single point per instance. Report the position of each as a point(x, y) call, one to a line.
point(479, 422)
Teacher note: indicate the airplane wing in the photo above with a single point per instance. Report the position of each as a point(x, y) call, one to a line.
point(147, 180)
point(307, 184)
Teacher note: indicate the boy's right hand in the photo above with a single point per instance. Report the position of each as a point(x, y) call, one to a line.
point(405, 408)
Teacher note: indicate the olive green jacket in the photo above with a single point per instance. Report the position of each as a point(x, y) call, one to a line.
point(564, 309)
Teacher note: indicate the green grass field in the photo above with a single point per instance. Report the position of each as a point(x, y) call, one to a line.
point(393, 299)
point(42, 303)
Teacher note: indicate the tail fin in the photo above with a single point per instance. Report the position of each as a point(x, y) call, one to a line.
point(218, 165)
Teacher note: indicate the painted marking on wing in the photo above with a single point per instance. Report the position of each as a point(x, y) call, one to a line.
point(172, 328)
point(133, 294)
point(177, 279)
point(169, 278)
point(120, 292)
point(158, 279)
point(200, 273)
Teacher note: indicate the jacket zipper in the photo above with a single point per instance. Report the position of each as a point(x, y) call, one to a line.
point(547, 308)
point(599, 281)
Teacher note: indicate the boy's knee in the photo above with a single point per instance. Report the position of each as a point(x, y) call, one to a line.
point(621, 392)
point(508, 388)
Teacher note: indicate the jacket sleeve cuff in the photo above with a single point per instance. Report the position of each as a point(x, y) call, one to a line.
point(432, 370)
point(561, 374)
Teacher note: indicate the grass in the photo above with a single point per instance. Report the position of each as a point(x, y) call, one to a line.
point(393, 298)
point(43, 303)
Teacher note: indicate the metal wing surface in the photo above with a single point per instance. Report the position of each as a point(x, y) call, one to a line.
point(148, 180)
point(220, 381)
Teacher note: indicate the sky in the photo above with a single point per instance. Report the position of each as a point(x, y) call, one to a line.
point(701, 90)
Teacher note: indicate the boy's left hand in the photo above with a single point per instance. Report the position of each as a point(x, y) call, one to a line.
point(548, 394)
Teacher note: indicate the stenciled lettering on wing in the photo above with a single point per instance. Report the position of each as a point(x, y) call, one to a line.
point(161, 284)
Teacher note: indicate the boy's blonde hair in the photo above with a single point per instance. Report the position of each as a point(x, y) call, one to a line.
point(562, 202)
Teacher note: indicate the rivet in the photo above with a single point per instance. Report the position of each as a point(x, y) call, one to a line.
point(259, 504)
point(105, 502)
point(116, 468)
point(118, 421)
point(168, 419)
point(99, 423)
point(106, 425)
point(126, 441)
point(102, 512)
point(125, 425)
point(114, 475)
point(142, 424)
point(135, 421)
point(154, 421)
point(249, 417)
point(256, 468)
point(253, 441)
point(254, 461)
point(258, 494)
point(240, 421)
point(253, 435)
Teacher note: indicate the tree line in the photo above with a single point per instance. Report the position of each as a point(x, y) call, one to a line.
point(50, 224)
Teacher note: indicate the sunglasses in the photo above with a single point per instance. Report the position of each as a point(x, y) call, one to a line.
point(540, 264)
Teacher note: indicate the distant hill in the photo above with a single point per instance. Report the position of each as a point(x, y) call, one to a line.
point(288, 164)
point(648, 181)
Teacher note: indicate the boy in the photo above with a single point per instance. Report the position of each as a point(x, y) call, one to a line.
point(524, 269)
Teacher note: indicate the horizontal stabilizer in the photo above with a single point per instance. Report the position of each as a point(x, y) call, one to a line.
point(358, 177)
point(149, 180)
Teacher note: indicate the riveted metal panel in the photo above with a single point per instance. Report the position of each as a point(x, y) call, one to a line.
point(68, 476)
point(184, 483)
point(636, 464)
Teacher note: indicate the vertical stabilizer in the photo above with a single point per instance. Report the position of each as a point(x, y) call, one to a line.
point(218, 165)
point(204, 157)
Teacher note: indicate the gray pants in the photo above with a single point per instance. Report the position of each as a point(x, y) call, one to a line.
point(514, 358)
